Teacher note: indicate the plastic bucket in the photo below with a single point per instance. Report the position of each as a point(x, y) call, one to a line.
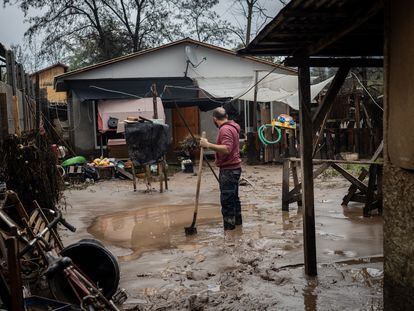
point(95, 262)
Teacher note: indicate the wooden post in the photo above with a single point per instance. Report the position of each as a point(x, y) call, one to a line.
point(285, 186)
point(11, 70)
point(4, 122)
point(285, 176)
point(306, 133)
point(15, 281)
point(16, 115)
point(357, 120)
point(164, 168)
point(37, 99)
point(148, 177)
point(329, 99)
point(294, 168)
point(22, 77)
point(371, 189)
point(134, 177)
point(160, 176)
point(154, 100)
point(256, 78)
point(155, 108)
point(4, 291)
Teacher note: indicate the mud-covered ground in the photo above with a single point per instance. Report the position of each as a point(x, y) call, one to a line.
point(256, 267)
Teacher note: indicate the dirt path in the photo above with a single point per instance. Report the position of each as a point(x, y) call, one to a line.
point(242, 270)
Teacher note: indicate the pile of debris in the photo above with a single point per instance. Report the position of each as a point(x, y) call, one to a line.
point(29, 167)
point(38, 273)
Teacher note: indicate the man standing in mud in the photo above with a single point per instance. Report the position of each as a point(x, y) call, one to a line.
point(227, 150)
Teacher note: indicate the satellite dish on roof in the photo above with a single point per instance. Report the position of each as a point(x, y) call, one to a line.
point(192, 58)
point(191, 55)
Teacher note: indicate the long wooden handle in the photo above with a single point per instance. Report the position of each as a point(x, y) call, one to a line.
point(200, 170)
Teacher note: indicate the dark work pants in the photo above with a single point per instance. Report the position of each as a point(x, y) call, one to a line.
point(229, 197)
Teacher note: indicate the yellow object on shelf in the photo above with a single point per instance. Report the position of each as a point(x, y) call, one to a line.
point(285, 121)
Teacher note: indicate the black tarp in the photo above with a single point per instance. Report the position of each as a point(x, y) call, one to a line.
point(147, 142)
point(182, 91)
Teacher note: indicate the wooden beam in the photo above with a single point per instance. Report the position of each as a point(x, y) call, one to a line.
point(306, 133)
point(11, 70)
point(296, 179)
point(362, 15)
point(353, 189)
point(321, 161)
point(16, 114)
point(378, 151)
point(37, 99)
point(316, 173)
point(22, 77)
point(4, 121)
point(288, 50)
point(334, 62)
point(330, 96)
point(315, 13)
point(355, 181)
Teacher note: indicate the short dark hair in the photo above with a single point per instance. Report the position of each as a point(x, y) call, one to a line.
point(220, 113)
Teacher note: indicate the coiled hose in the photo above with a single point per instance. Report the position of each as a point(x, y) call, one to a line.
point(263, 138)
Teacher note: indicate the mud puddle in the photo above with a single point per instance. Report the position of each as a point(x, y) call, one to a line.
point(156, 228)
point(162, 227)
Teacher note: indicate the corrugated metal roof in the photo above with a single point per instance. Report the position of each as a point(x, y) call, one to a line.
point(323, 28)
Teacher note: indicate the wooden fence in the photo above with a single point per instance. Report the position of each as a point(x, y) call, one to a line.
point(19, 109)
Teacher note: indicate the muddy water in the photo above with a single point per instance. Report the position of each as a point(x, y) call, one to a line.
point(156, 228)
point(162, 227)
point(341, 233)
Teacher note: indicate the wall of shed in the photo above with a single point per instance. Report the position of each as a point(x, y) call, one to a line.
point(172, 62)
point(82, 126)
point(46, 81)
point(398, 182)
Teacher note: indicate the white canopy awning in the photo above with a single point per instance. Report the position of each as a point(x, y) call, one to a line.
point(272, 87)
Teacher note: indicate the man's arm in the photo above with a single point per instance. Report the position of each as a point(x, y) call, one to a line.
point(223, 149)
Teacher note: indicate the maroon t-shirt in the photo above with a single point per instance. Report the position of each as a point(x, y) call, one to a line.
point(229, 135)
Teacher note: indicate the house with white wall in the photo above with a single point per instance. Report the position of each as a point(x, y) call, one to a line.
point(177, 69)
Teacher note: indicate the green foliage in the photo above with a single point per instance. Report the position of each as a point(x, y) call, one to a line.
point(202, 22)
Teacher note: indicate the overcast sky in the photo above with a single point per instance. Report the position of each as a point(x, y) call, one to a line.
point(12, 27)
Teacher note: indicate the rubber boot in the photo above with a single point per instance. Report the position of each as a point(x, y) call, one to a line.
point(229, 223)
point(239, 220)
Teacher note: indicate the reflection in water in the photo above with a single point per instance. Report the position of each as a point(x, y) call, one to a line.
point(153, 228)
point(310, 297)
point(291, 220)
point(162, 227)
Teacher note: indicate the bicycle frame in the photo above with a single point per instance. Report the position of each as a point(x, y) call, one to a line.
point(85, 290)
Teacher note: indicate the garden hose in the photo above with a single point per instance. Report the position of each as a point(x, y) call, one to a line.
point(263, 138)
